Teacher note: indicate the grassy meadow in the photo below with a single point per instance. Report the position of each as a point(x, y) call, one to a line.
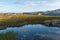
point(18, 19)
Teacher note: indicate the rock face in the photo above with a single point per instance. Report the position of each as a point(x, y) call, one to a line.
point(54, 22)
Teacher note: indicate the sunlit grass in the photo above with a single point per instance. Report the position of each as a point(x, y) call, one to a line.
point(14, 19)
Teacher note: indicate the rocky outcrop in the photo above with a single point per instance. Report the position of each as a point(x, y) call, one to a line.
point(54, 22)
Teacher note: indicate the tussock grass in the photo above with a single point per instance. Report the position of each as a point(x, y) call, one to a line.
point(17, 19)
point(8, 36)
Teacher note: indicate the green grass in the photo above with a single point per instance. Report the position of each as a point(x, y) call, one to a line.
point(8, 36)
point(18, 19)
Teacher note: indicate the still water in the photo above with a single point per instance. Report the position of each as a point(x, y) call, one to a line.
point(35, 32)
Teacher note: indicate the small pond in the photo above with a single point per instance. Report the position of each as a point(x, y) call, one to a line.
point(35, 32)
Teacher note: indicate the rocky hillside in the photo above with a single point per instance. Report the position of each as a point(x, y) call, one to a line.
point(52, 13)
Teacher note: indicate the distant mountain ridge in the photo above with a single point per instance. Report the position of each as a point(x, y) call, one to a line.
point(52, 13)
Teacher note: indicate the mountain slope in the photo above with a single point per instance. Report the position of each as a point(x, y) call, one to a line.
point(52, 13)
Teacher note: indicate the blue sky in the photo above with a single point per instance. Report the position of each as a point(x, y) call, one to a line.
point(28, 5)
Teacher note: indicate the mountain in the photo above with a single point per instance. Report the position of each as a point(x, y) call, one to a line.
point(52, 13)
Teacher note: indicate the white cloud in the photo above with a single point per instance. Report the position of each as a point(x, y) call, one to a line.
point(54, 4)
point(33, 4)
point(1, 5)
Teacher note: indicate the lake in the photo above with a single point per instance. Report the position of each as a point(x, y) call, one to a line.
point(35, 32)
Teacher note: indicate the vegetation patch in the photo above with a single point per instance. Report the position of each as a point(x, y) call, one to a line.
point(8, 36)
point(13, 20)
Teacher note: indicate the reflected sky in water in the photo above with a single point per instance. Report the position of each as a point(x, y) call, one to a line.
point(35, 32)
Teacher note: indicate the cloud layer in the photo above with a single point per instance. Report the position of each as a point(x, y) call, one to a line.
point(28, 5)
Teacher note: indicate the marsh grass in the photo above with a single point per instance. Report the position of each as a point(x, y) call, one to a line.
point(18, 19)
point(10, 35)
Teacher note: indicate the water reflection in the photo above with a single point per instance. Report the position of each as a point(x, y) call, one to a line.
point(36, 32)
